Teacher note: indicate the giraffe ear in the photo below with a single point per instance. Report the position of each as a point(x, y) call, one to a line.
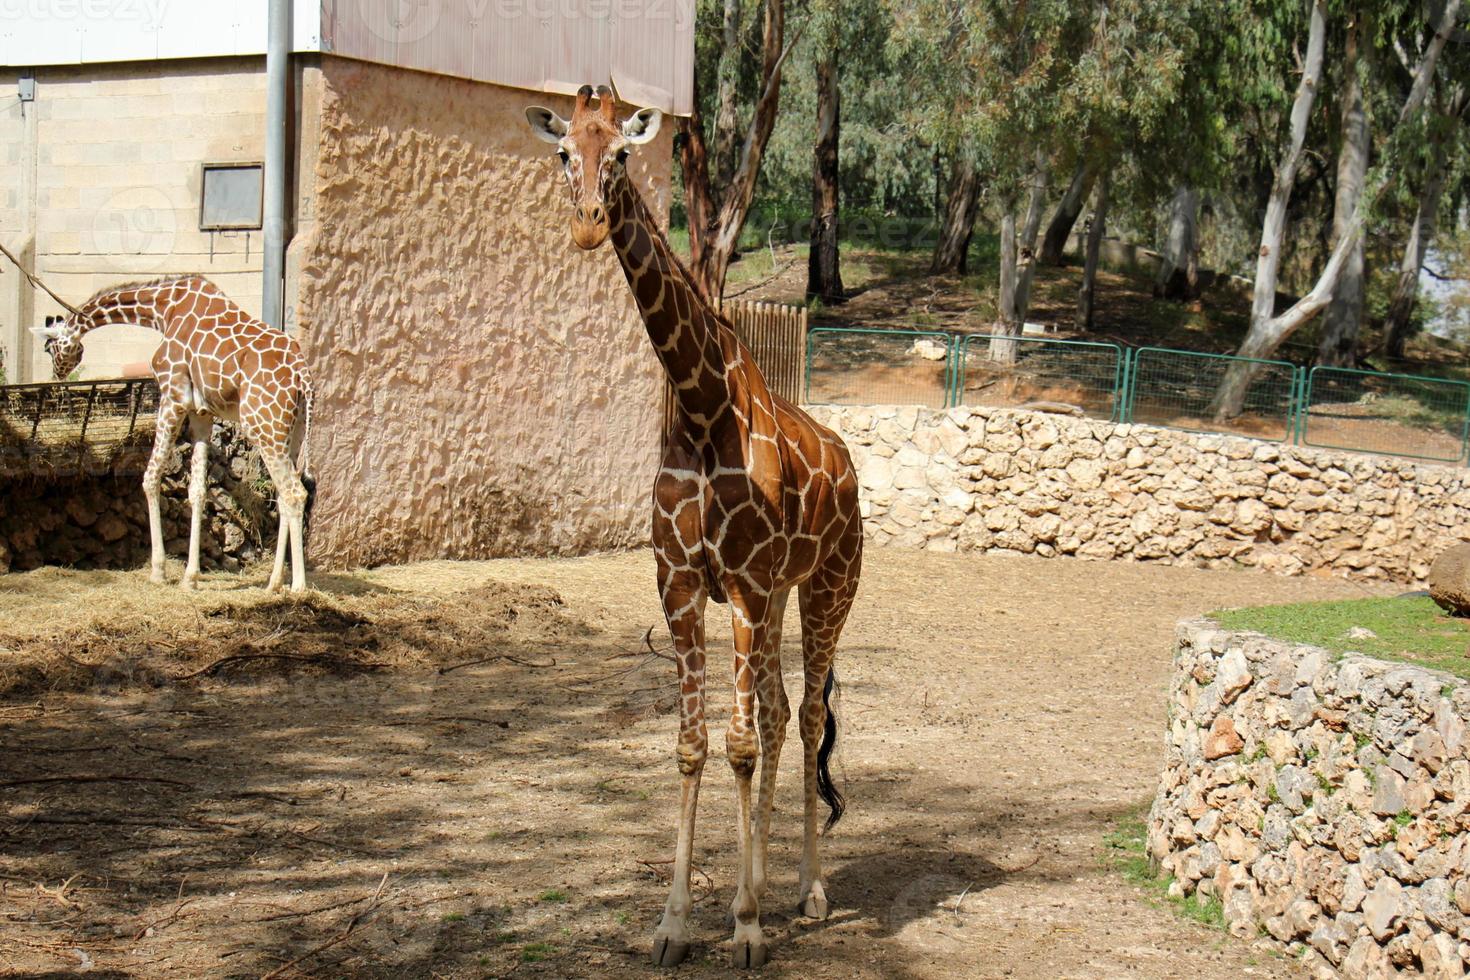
point(50, 331)
point(545, 124)
point(642, 125)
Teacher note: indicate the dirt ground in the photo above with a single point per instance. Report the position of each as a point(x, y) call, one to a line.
point(388, 809)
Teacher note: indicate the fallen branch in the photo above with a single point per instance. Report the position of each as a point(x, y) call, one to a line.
point(499, 656)
point(335, 940)
point(35, 780)
point(245, 657)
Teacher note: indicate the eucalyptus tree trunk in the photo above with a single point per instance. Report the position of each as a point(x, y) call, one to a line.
point(1095, 227)
point(1054, 242)
point(1267, 328)
point(957, 223)
point(1398, 326)
point(1267, 331)
point(715, 223)
point(1344, 315)
point(1178, 274)
point(1004, 351)
point(824, 272)
point(727, 79)
point(1026, 257)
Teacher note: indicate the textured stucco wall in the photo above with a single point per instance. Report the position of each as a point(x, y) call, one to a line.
point(997, 479)
point(484, 388)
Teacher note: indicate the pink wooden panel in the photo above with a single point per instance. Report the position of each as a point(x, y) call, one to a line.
point(646, 47)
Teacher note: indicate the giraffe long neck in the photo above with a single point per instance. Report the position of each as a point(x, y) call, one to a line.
point(695, 347)
point(140, 306)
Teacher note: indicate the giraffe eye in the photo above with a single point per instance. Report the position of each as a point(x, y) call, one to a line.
point(564, 158)
point(623, 155)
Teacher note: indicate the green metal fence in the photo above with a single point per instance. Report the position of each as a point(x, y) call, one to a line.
point(1020, 371)
point(1371, 412)
point(1333, 408)
point(1176, 389)
point(874, 367)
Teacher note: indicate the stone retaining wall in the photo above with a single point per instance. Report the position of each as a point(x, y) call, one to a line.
point(101, 520)
point(994, 479)
point(1323, 801)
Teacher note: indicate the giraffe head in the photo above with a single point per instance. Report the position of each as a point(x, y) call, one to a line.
point(62, 339)
point(594, 152)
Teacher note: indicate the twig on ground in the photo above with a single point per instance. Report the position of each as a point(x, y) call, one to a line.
point(166, 920)
point(59, 895)
point(34, 780)
point(245, 657)
point(548, 663)
point(335, 940)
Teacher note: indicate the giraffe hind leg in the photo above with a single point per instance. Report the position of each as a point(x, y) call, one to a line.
point(166, 430)
point(825, 603)
point(291, 501)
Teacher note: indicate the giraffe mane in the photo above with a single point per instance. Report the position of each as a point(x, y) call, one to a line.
point(145, 284)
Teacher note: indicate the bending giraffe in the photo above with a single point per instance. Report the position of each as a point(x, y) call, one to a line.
point(216, 361)
point(754, 499)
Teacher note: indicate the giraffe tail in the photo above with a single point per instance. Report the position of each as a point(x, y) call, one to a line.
point(826, 788)
point(303, 462)
point(303, 456)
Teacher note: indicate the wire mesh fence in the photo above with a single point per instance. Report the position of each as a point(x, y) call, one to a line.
point(1177, 389)
point(1006, 371)
point(76, 427)
point(1397, 414)
point(861, 366)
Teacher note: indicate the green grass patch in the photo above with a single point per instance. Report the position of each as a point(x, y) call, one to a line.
point(1413, 629)
point(552, 895)
point(536, 952)
point(1125, 852)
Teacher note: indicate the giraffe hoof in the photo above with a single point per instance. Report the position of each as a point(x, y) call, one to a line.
point(749, 956)
point(188, 584)
point(669, 952)
point(814, 907)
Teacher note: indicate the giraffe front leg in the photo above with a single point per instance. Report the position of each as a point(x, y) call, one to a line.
point(684, 600)
point(199, 427)
point(774, 713)
point(748, 948)
point(165, 431)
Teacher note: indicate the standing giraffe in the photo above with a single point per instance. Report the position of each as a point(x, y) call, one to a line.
point(754, 498)
point(216, 361)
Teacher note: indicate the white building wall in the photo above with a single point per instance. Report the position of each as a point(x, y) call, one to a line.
point(645, 48)
point(70, 32)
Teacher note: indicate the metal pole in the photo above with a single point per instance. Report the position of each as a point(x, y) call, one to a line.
point(277, 86)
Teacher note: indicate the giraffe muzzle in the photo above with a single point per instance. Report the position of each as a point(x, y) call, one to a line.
point(590, 227)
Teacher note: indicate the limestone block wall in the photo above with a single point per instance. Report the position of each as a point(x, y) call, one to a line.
point(100, 184)
point(100, 520)
point(483, 386)
point(1003, 480)
point(1323, 801)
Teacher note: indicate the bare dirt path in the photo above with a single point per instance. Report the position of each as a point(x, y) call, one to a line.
point(508, 818)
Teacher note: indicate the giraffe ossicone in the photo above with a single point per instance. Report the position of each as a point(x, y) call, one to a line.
point(215, 362)
point(754, 498)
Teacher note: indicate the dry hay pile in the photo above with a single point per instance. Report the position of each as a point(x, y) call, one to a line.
point(123, 632)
